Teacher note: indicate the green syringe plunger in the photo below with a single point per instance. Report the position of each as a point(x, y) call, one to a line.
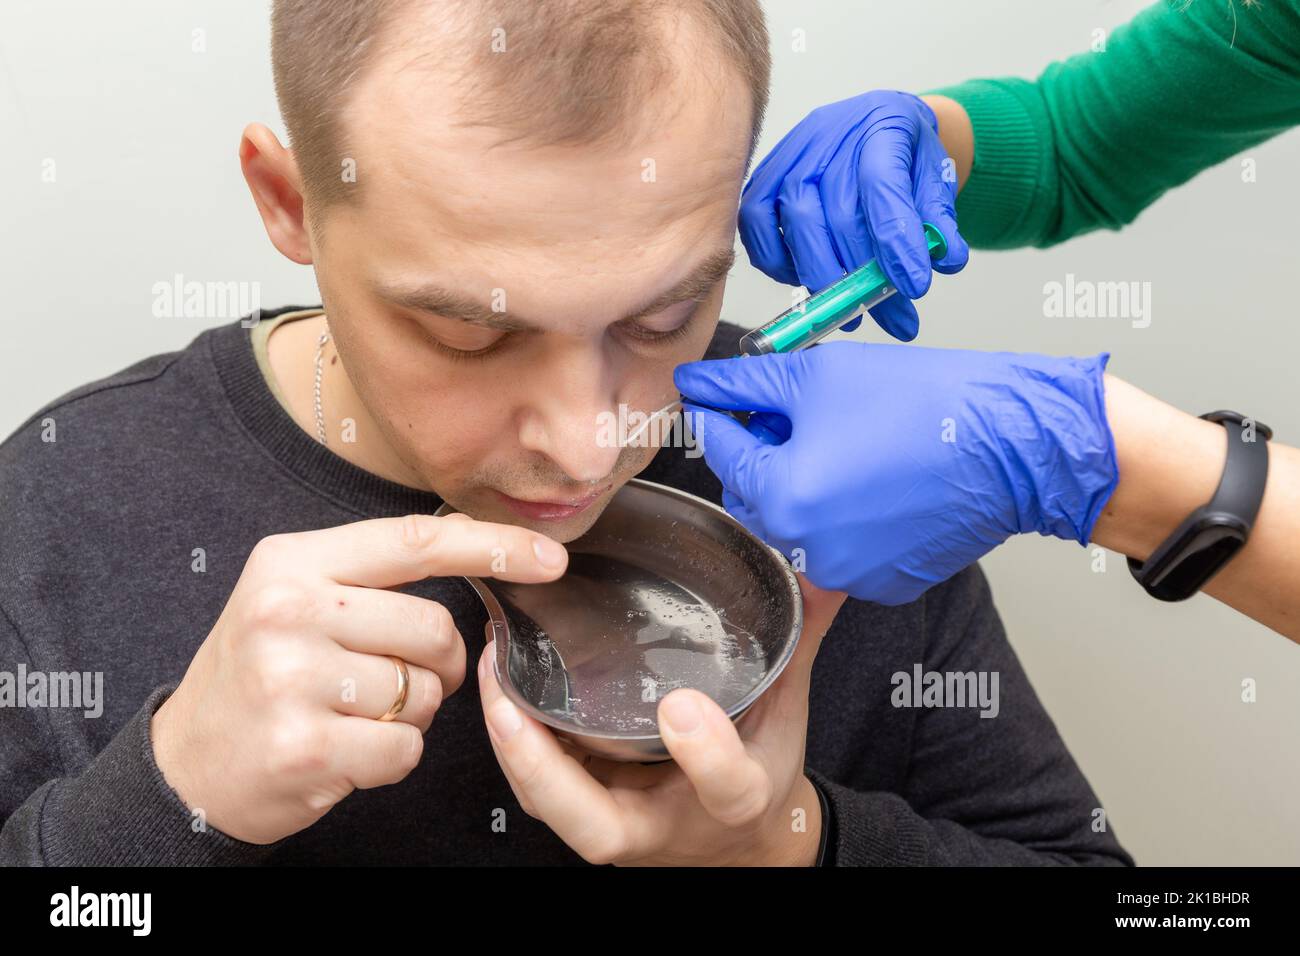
point(833, 307)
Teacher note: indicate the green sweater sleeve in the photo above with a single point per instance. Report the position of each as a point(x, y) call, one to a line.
point(1100, 136)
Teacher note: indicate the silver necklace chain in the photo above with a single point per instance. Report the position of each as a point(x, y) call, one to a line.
point(320, 371)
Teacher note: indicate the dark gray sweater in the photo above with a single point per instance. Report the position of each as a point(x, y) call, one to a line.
point(191, 450)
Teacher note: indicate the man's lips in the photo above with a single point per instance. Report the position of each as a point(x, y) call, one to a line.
point(550, 510)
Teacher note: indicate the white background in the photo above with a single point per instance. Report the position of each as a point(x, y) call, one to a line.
point(144, 133)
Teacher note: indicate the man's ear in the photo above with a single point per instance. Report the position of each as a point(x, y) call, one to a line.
point(272, 176)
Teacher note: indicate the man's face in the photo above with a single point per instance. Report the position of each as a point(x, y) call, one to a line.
point(490, 301)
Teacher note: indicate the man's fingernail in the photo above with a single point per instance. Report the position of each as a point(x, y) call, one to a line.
point(683, 715)
point(550, 553)
point(505, 719)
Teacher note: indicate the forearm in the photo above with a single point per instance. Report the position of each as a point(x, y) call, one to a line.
point(118, 811)
point(955, 132)
point(1169, 465)
point(1098, 137)
point(881, 829)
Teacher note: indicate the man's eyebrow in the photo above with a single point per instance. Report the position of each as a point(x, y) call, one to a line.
point(452, 305)
point(697, 284)
point(439, 301)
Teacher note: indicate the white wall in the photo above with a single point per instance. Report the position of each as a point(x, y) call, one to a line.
point(143, 132)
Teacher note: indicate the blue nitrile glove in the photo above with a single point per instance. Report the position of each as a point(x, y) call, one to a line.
point(906, 464)
point(853, 181)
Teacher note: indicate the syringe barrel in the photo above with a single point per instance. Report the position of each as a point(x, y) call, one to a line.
point(832, 308)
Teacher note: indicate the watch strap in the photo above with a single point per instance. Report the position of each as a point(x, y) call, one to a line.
point(1245, 471)
point(1209, 537)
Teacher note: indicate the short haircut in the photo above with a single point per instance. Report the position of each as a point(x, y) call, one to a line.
point(578, 68)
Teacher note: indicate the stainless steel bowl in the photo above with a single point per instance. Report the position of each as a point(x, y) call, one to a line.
point(666, 590)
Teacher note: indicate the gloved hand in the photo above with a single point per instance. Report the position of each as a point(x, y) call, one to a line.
point(906, 464)
point(854, 181)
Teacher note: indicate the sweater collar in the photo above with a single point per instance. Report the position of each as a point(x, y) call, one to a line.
point(267, 423)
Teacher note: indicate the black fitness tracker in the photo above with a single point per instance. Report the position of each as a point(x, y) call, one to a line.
point(1213, 533)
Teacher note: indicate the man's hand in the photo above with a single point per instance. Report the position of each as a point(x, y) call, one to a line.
point(277, 718)
point(732, 796)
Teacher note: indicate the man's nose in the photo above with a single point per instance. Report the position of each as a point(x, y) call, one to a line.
point(573, 419)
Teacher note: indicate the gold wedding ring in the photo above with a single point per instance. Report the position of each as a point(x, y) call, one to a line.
point(403, 686)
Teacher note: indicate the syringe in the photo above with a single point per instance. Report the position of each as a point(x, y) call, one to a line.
point(833, 307)
point(808, 323)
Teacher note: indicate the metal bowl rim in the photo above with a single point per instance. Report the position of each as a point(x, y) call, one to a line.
point(499, 623)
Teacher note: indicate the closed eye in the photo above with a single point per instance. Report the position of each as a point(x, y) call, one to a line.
point(643, 333)
point(450, 351)
point(467, 355)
